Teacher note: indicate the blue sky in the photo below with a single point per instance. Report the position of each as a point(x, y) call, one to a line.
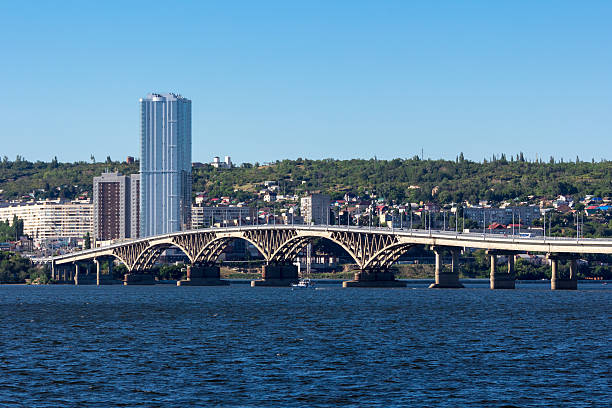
point(285, 79)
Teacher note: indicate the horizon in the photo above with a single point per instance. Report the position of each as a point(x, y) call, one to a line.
point(495, 157)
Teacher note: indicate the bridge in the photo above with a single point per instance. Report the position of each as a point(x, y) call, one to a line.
point(374, 251)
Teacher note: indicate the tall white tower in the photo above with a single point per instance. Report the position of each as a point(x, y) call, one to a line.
point(165, 164)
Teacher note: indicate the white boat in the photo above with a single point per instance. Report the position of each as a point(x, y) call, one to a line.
point(304, 283)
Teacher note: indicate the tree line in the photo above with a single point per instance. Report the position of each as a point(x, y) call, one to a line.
point(401, 180)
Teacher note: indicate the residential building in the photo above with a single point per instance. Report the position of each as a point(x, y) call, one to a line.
point(204, 217)
point(165, 164)
point(52, 219)
point(111, 200)
point(225, 164)
point(116, 200)
point(315, 209)
point(525, 214)
point(134, 206)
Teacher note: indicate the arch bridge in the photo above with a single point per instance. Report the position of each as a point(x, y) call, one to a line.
point(374, 250)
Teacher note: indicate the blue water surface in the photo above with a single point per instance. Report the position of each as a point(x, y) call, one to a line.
point(168, 346)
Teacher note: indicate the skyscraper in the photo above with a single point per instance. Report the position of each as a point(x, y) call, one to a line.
point(165, 164)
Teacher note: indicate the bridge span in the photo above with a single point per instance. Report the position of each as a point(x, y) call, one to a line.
point(374, 250)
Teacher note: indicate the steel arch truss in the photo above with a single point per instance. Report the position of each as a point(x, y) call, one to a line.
point(208, 254)
point(287, 252)
point(130, 253)
point(386, 257)
point(370, 250)
point(268, 241)
point(147, 258)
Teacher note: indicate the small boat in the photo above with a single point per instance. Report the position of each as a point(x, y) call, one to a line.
point(304, 283)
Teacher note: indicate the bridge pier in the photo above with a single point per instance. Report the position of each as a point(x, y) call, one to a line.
point(203, 276)
point(500, 280)
point(138, 278)
point(557, 282)
point(374, 279)
point(446, 279)
point(102, 279)
point(82, 275)
point(277, 275)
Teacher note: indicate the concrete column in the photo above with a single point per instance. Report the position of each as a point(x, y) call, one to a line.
point(64, 273)
point(573, 269)
point(557, 282)
point(455, 261)
point(493, 259)
point(502, 280)
point(76, 274)
point(446, 279)
point(97, 262)
point(53, 270)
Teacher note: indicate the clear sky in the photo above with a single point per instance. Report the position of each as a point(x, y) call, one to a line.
point(285, 79)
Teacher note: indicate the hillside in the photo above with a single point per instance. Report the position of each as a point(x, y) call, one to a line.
point(399, 179)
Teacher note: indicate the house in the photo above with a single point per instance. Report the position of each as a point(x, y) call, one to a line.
point(591, 209)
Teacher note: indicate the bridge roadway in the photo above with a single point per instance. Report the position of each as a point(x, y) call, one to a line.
point(373, 249)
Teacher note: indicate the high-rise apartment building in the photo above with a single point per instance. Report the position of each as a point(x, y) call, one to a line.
point(134, 205)
point(116, 202)
point(315, 209)
point(51, 219)
point(165, 164)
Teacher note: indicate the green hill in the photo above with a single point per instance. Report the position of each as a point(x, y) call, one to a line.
point(399, 179)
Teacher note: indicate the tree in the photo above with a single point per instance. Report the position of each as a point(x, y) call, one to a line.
point(87, 242)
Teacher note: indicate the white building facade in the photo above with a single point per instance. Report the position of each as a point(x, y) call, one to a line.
point(315, 209)
point(165, 164)
point(204, 217)
point(53, 219)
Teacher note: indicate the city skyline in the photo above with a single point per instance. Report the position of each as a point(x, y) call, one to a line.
point(354, 80)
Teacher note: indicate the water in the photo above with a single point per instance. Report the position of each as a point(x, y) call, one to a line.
point(165, 346)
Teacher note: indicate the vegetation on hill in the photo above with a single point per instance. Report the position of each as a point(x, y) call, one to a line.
point(414, 179)
point(399, 180)
point(43, 180)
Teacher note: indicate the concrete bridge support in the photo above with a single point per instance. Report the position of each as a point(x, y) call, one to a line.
point(277, 275)
point(203, 276)
point(82, 275)
point(446, 279)
point(500, 280)
point(102, 279)
point(138, 278)
point(374, 279)
point(557, 282)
